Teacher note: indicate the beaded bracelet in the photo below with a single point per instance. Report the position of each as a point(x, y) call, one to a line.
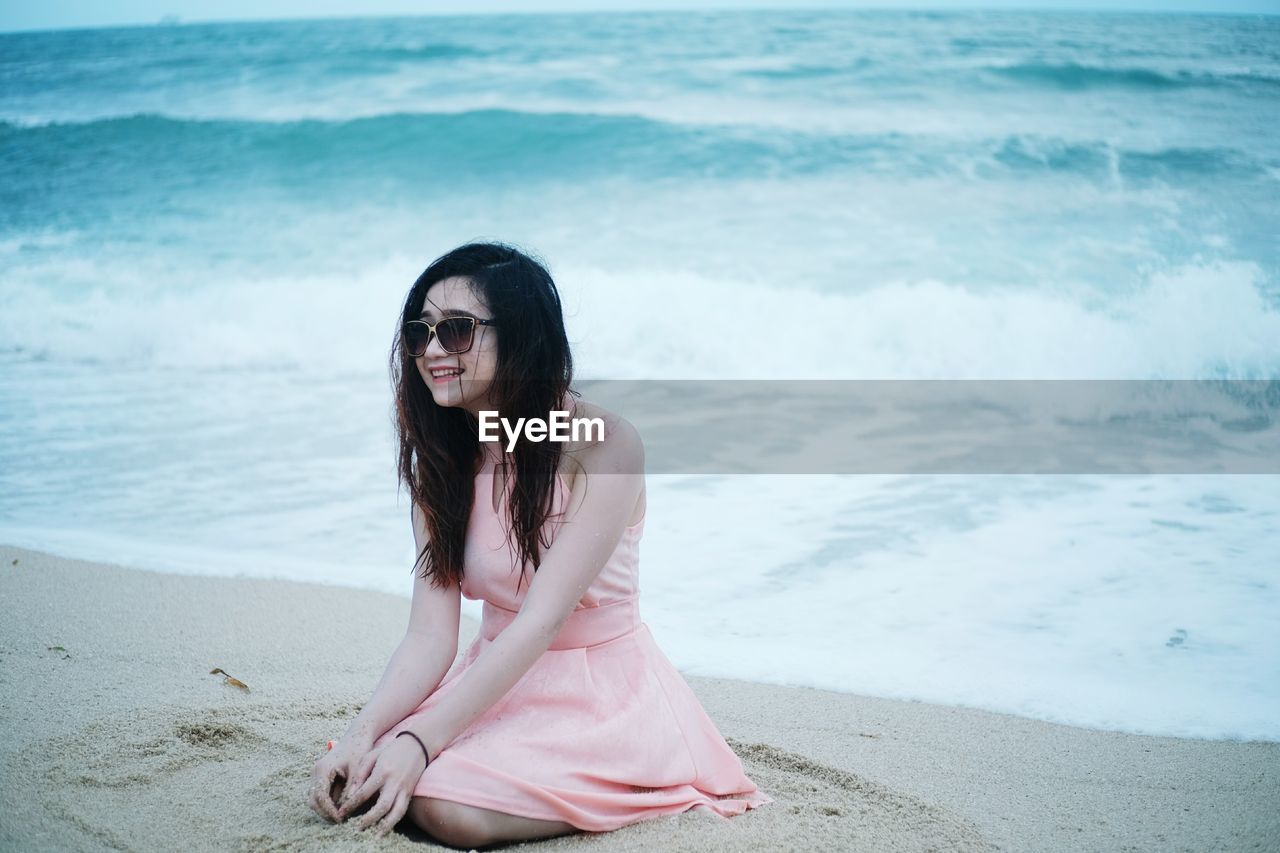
point(425, 754)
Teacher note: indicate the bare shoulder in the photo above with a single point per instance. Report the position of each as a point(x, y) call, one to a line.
point(621, 450)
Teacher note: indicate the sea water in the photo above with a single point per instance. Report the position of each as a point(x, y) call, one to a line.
point(207, 232)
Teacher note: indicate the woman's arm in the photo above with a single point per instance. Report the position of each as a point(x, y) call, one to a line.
point(420, 661)
point(603, 499)
point(416, 668)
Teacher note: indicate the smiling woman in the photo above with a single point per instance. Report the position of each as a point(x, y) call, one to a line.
point(455, 353)
point(563, 714)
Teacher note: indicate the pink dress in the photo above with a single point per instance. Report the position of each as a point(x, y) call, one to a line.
point(602, 731)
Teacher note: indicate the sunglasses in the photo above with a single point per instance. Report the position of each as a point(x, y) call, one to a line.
point(456, 334)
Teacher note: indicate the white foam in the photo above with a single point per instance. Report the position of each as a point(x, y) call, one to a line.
point(1202, 321)
point(1193, 322)
point(1133, 603)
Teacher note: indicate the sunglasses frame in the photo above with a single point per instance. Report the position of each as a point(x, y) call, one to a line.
point(431, 333)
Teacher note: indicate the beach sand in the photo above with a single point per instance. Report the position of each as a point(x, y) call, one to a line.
point(115, 736)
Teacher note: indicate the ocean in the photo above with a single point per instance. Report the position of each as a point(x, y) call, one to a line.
point(207, 232)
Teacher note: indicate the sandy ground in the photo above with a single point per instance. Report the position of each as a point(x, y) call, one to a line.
point(115, 736)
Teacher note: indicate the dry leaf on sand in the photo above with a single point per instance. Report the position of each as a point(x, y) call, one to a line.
point(234, 682)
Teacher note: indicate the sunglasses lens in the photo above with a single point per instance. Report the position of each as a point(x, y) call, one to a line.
point(455, 334)
point(415, 338)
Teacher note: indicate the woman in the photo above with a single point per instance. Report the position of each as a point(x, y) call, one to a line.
point(563, 714)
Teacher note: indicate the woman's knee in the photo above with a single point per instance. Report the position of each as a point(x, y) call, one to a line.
point(455, 824)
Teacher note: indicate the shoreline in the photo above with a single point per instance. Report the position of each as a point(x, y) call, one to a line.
point(116, 735)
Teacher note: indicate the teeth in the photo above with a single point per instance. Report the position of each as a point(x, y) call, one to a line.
point(450, 372)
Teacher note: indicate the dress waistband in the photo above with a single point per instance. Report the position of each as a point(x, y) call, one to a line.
point(586, 626)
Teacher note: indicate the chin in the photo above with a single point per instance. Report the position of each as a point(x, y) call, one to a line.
point(444, 398)
point(450, 397)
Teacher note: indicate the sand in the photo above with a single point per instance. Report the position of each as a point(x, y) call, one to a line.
point(116, 737)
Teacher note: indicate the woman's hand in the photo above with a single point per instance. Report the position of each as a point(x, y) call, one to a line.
point(338, 763)
point(391, 773)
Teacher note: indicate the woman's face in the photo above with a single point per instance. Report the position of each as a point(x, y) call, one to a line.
point(439, 369)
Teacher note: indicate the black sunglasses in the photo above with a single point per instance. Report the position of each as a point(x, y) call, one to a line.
point(456, 334)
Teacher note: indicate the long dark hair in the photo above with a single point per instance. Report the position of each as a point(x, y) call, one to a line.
point(439, 446)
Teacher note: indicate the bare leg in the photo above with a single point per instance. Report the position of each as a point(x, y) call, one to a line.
point(460, 825)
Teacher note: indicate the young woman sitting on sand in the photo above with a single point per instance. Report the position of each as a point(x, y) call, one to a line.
point(563, 714)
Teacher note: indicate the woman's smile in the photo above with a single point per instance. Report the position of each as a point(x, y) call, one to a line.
point(441, 375)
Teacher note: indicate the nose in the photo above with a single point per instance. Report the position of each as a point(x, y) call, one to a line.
point(434, 349)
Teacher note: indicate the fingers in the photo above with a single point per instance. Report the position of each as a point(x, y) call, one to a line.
point(313, 800)
point(396, 814)
point(386, 802)
point(353, 797)
point(359, 774)
point(321, 801)
point(361, 771)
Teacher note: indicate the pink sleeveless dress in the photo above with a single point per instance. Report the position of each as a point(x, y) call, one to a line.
point(602, 731)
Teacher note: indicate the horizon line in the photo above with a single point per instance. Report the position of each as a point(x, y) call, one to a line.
point(179, 21)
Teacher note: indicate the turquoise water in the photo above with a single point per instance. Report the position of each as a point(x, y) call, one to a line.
point(206, 231)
